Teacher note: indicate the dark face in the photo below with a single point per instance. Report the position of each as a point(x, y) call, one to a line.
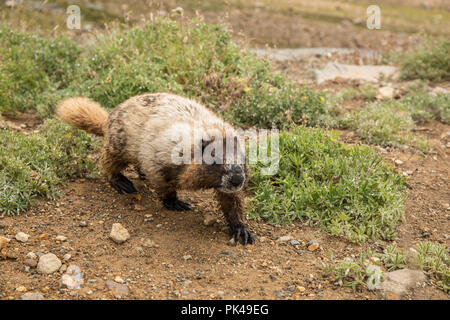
point(227, 171)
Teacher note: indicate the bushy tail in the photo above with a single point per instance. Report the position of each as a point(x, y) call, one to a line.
point(83, 113)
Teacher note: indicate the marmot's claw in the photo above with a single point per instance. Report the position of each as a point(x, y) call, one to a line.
point(122, 184)
point(176, 204)
point(242, 234)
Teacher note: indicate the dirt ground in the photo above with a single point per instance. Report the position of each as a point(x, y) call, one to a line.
point(173, 255)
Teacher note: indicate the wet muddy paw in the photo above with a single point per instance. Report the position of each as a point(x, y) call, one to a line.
point(122, 184)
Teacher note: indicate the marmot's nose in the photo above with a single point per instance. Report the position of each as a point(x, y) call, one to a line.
point(236, 180)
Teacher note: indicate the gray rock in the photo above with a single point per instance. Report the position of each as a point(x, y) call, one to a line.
point(83, 224)
point(22, 237)
point(48, 263)
point(353, 72)
point(73, 278)
point(295, 242)
point(32, 296)
point(117, 288)
point(30, 263)
point(118, 233)
point(400, 281)
point(284, 239)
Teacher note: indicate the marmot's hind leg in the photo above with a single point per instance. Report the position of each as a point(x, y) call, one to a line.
point(113, 165)
point(172, 202)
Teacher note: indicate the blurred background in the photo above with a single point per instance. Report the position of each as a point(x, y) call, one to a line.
point(282, 23)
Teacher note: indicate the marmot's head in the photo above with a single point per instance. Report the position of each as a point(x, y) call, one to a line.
point(222, 166)
point(225, 160)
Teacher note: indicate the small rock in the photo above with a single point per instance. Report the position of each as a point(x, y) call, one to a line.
point(83, 224)
point(21, 289)
point(313, 245)
point(138, 207)
point(32, 296)
point(22, 237)
point(67, 257)
point(209, 220)
point(301, 289)
point(279, 294)
point(61, 238)
point(398, 162)
point(385, 93)
point(187, 257)
point(400, 281)
point(149, 243)
point(30, 263)
point(118, 233)
point(32, 255)
point(284, 239)
point(295, 242)
point(220, 292)
point(117, 288)
point(119, 280)
point(73, 278)
point(48, 263)
point(3, 242)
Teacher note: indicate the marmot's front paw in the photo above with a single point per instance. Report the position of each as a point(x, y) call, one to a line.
point(242, 234)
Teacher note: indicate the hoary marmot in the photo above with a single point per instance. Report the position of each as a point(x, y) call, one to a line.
point(143, 131)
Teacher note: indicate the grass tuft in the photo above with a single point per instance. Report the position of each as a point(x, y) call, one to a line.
point(38, 164)
point(349, 191)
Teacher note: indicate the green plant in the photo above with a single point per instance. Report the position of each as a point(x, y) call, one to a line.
point(33, 69)
point(393, 258)
point(37, 164)
point(348, 191)
point(431, 61)
point(434, 259)
point(349, 272)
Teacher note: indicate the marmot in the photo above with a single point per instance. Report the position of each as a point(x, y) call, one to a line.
point(140, 132)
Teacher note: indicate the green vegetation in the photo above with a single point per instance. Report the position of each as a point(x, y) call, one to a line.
point(37, 164)
point(196, 60)
point(393, 258)
point(391, 123)
point(32, 69)
point(433, 258)
point(349, 191)
point(430, 62)
point(348, 272)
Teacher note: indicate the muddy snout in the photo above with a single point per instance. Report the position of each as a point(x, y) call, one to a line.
point(235, 178)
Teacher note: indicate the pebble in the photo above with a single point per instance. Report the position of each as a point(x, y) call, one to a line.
point(3, 242)
point(119, 280)
point(187, 257)
point(30, 263)
point(398, 162)
point(83, 224)
point(67, 257)
point(209, 220)
point(61, 238)
point(284, 239)
point(295, 242)
point(149, 243)
point(48, 263)
point(118, 233)
point(301, 289)
point(117, 288)
point(32, 296)
point(22, 237)
point(73, 278)
point(32, 255)
point(21, 289)
point(313, 245)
